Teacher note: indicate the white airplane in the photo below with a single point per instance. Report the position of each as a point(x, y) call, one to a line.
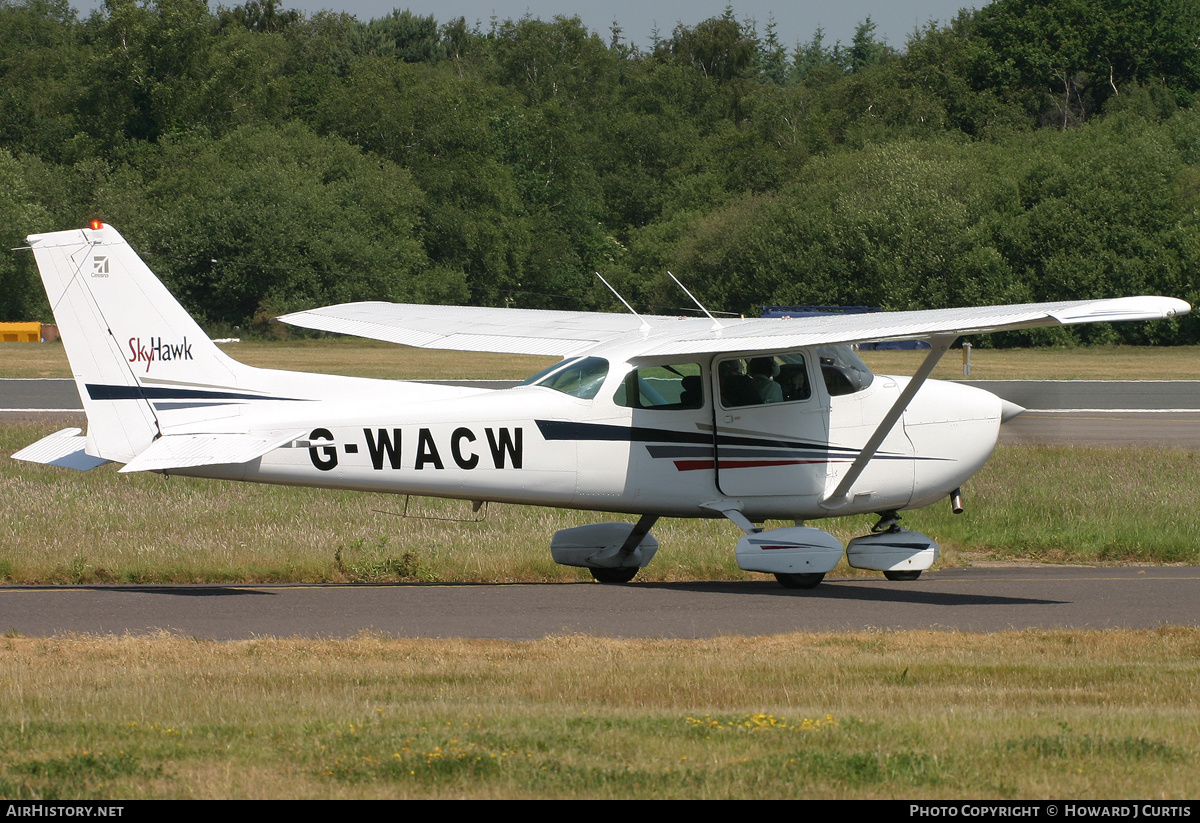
point(749, 420)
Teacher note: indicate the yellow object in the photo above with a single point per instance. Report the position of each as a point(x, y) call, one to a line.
point(21, 332)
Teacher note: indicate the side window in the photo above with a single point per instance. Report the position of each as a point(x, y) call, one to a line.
point(677, 386)
point(843, 371)
point(753, 381)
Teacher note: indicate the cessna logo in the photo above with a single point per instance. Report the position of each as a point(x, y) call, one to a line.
point(499, 447)
point(157, 350)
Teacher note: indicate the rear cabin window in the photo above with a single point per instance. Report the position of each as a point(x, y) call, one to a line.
point(754, 381)
point(676, 386)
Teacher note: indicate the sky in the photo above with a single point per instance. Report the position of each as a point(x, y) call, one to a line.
point(796, 20)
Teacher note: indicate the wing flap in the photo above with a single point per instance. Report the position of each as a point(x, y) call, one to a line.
point(181, 451)
point(64, 449)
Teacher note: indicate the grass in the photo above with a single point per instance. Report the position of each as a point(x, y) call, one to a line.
point(1037, 714)
point(371, 358)
point(1060, 504)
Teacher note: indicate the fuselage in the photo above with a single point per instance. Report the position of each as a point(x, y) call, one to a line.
point(657, 436)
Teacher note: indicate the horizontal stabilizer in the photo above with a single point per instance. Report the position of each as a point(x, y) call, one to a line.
point(181, 451)
point(63, 449)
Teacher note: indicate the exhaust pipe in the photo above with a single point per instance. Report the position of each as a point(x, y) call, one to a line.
point(956, 505)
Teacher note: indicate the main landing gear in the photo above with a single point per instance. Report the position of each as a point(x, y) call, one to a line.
point(799, 556)
point(612, 552)
point(621, 575)
point(799, 581)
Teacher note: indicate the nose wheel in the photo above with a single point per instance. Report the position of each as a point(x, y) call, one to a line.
point(900, 576)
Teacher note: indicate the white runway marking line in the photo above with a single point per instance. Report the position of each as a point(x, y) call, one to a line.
point(1032, 412)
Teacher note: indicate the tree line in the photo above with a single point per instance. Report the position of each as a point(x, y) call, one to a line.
point(264, 160)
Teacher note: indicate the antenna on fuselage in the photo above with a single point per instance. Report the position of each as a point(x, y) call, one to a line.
point(645, 326)
point(716, 322)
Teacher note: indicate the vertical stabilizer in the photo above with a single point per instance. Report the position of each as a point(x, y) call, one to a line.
point(124, 335)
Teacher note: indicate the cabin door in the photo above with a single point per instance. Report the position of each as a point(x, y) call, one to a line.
point(771, 426)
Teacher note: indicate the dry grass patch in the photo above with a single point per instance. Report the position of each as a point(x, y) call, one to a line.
point(1018, 714)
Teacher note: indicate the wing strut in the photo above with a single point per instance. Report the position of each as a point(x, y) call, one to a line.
point(644, 524)
point(841, 495)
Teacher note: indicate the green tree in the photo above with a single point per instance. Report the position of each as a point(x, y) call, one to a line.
point(268, 220)
point(40, 76)
point(21, 295)
point(439, 126)
point(772, 57)
point(147, 62)
point(560, 59)
point(813, 62)
point(865, 50)
point(1065, 58)
point(404, 36)
point(719, 47)
point(259, 16)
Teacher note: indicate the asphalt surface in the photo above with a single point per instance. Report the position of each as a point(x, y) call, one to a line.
point(971, 600)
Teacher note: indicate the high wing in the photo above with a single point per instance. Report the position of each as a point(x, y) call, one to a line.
point(567, 333)
point(475, 328)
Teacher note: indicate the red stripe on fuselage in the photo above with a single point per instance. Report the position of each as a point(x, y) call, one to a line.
point(695, 465)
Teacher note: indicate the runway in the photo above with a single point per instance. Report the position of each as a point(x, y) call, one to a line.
point(966, 600)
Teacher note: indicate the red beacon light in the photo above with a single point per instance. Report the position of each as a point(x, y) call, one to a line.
point(97, 225)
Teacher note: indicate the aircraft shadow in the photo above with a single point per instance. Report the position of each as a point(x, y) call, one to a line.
point(183, 590)
point(830, 590)
point(855, 591)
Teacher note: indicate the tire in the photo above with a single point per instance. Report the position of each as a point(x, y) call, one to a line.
point(901, 575)
point(620, 575)
point(799, 581)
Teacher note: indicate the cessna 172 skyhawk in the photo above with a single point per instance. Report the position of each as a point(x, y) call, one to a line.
point(659, 416)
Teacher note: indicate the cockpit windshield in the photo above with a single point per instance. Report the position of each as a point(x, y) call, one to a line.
point(579, 377)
